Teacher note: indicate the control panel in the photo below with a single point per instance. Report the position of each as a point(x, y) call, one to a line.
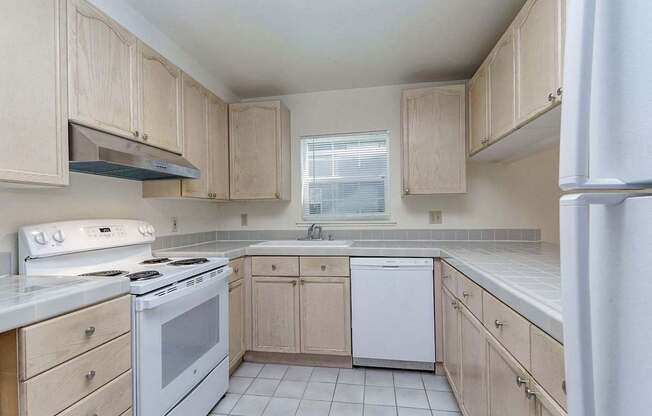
point(44, 240)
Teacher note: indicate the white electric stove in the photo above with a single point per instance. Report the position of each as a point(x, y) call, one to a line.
point(179, 307)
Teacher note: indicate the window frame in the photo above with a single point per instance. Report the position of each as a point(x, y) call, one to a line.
point(384, 217)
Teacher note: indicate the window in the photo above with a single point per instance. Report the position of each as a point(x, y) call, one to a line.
point(344, 176)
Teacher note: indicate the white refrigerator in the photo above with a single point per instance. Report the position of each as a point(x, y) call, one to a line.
point(606, 219)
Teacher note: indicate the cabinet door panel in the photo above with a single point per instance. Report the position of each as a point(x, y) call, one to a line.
point(474, 362)
point(33, 97)
point(478, 110)
point(502, 92)
point(451, 334)
point(160, 101)
point(195, 137)
point(236, 321)
point(102, 61)
point(434, 151)
point(506, 397)
point(218, 147)
point(275, 314)
point(325, 315)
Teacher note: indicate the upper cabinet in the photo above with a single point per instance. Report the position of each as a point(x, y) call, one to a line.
point(102, 66)
point(433, 140)
point(259, 150)
point(502, 68)
point(34, 109)
point(478, 110)
point(218, 147)
point(160, 100)
point(196, 137)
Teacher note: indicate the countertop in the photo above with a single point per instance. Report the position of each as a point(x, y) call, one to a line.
point(28, 299)
point(526, 276)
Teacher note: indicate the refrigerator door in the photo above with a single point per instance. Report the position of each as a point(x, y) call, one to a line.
point(606, 128)
point(606, 244)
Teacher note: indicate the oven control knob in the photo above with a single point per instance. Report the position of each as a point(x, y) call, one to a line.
point(59, 236)
point(142, 228)
point(41, 238)
point(150, 230)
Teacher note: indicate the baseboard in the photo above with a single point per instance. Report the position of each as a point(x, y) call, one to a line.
point(320, 360)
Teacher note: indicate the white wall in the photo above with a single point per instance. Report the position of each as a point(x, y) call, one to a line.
point(523, 194)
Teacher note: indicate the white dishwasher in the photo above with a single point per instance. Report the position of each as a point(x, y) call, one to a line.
point(393, 312)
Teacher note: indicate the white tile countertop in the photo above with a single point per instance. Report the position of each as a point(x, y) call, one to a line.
point(28, 299)
point(524, 275)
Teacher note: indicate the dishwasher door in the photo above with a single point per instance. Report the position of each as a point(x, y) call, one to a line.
point(393, 312)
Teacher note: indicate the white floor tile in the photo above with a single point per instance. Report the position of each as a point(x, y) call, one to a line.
point(226, 404)
point(411, 398)
point(351, 376)
point(383, 396)
point(291, 389)
point(349, 393)
point(280, 406)
point(375, 410)
point(445, 413)
point(298, 373)
point(408, 379)
point(407, 411)
point(239, 385)
point(319, 391)
point(250, 406)
point(263, 387)
point(248, 370)
point(276, 371)
point(325, 375)
point(435, 382)
point(379, 378)
point(442, 400)
point(346, 409)
point(313, 408)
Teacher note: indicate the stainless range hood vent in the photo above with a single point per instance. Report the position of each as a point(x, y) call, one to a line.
point(99, 153)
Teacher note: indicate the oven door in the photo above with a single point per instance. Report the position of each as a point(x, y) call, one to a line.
point(181, 334)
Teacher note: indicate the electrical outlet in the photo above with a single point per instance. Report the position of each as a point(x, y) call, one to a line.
point(435, 217)
point(244, 220)
point(175, 225)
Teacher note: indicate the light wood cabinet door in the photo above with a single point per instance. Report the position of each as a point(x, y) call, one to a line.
point(502, 92)
point(236, 322)
point(218, 147)
point(325, 315)
point(160, 101)
point(259, 148)
point(33, 96)
point(433, 140)
point(275, 320)
point(474, 365)
point(451, 332)
point(102, 65)
point(537, 58)
point(507, 383)
point(478, 110)
point(195, 137)
point(547, 364)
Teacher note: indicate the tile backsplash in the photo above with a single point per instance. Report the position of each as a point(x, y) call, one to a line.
point(489, 234)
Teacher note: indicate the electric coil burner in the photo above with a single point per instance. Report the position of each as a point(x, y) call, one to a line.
point(188, 262)
point(156, 260)
point(144, 275)
point(105, 273)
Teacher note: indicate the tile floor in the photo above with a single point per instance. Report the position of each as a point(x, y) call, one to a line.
point(281, 390)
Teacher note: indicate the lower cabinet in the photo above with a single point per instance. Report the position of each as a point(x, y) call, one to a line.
point(473, 350)
point(451, 328)
point(506, 396)
point(275, 317)
point(236, 322)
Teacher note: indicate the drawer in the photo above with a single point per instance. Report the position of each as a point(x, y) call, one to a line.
point(112, 399)
point(511, 329)
point(449, 277)
point(547, 363)
point(238, 269)
point(56, 389)
point(471, 295)
point(275, 266)
point(324, 266)
point(52, 342)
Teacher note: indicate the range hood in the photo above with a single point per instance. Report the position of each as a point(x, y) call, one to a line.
point(99, 153)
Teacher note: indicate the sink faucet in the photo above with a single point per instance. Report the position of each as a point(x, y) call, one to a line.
point(311, 232)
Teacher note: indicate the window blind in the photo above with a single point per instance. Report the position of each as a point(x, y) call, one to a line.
point(344, 177)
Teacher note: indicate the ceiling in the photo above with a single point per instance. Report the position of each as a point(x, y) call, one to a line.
point(274, 47)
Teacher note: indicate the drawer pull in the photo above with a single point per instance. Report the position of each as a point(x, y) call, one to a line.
point(273, 267)
point(531, 394)
point(466, 294)
point(563, 386)
point(90, 375)
point(89, 331)
point(294, 283)
point(323, 267)
point(498, 324)
point(236, 270)
point(520, 381)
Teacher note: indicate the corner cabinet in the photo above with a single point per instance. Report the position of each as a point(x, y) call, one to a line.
point(433, 140)
point(34, 113)
point(259, 150)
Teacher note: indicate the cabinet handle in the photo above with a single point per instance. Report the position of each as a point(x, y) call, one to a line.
point(136, 133)
point(145, 136)
point(277, 195)
point(407, 191)
point(531, 394)
point(294, 283)
point(499, 324)
point(551, 97)
point(455, 306)
point(559, 91)
point(323, 267)
point(236, 270)
point(563, 386)
point(302, 281)
point(520, 381)
point(90, 375)
point(466, 294)
point(273, 267)
point(89, 331)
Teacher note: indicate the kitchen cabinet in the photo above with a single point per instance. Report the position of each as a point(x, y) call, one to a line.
point(506, 385)
point(451, 334)
point(236, 322)
point(325, 309)
point(34, 113)
point(473, 357)
point(102, 70)
point(478, 110)
point(434, 140)
point(502, 69)
point(275, 318)
point(160, 88)
point(218, 147)
point(196, 137)
point(259, 149)
point(547, 364)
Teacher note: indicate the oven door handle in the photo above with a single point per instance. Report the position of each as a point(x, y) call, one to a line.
point(214, 285)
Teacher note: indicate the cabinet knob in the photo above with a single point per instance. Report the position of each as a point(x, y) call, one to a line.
point(551, 97)
point(136, 133)
point(498, 324)
point(323, 267)
point(302, 281)
point(294, 283)
point(563, 386)
point(559, 91)
point(236, 270)
point(273, 267)
point(89, 331)
point(466, 294)
point(520, 381)
point(531, 394)
point(407, 191)
point(90, 375)
point(145, 136)
point(277, 195)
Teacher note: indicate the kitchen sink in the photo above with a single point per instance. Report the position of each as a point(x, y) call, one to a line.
point(305, 243)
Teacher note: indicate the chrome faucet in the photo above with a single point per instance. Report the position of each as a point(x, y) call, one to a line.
point(311, 232)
